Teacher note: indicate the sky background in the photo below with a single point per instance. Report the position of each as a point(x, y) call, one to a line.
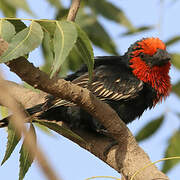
point(68, 159)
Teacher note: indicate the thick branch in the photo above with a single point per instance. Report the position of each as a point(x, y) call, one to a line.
point(126, 158)
point(26, 96)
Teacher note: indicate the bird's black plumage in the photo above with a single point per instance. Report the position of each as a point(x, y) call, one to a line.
point(113, 82)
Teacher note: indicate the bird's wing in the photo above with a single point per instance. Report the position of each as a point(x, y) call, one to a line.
point(107, 84)
point(110, 84)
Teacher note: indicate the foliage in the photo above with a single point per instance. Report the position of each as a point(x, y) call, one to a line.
point(13, 140)
point(25, 158)
point(59, 129)
point(149, 129)
point(23, 42)
point(65, 36)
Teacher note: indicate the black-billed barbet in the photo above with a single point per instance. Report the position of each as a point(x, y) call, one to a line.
point(129, 84)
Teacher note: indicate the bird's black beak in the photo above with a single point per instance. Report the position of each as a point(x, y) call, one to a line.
point(161, 57)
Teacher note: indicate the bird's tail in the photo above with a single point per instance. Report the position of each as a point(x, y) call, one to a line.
point(30, 111)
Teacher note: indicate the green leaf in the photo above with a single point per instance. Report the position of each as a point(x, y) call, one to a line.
point(7, 30)
point(47, 45)
point(25, 158)
point(176, 88)
point(65, 37)
point(97, 33)
point(44, 129)
point(60, 129)
point(174, 40)
point(62, 14)
point(75, 59)
point(13, 140)
point(175, 59)
point(22, 4)
point(111, 12)
point(173, 150)
point(64, 69)
point(49, 27)
point(85, 49)
point(7, 9)
point(138, 30)
point(23, 42)
point(149, 129)
point(18, 24)
point(74, 62)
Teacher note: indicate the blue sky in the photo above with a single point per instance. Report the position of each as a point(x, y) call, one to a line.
point(67, 158)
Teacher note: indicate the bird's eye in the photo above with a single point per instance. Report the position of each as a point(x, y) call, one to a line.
point(142, 55)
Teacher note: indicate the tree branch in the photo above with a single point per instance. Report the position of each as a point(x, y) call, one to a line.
point(26, 96)
point(73, 10)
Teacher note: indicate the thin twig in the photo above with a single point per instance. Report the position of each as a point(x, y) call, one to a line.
point(18, 120)
point(73, 10)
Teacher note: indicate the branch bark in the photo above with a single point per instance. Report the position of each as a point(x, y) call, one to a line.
point(73, 10)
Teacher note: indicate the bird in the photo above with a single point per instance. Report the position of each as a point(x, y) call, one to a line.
point(130, 84)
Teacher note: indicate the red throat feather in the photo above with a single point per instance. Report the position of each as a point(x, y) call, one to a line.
point(156, 76)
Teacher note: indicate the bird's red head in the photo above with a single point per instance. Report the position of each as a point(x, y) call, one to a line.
point(150, 63)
